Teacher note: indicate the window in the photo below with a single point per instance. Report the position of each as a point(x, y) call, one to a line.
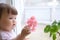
point(45, 11)
point(41, 14)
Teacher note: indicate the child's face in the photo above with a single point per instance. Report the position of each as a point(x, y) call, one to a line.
point(7, 21)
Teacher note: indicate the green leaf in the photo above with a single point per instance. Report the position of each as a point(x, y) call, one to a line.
point(54, 23)
point(54, 28)
point(47, 29)
point(58, 26)
point(59, 23)
point(51, 34)
point(54, 36)
point(52, 31)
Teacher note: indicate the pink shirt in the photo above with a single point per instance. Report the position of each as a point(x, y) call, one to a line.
point(7, 35)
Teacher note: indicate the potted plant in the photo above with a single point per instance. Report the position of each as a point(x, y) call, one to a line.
point(53, 29)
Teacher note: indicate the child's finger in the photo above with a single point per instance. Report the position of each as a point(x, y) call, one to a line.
point(27, 28)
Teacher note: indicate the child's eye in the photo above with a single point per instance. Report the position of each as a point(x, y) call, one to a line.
point(10, 18)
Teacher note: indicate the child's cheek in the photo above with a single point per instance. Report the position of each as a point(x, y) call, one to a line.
point(7, 23)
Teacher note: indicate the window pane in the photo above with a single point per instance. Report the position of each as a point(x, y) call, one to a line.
point(41, 14)
point(36, 3)
point(56, 15)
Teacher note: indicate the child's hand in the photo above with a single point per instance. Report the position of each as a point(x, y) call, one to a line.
point(25, 31)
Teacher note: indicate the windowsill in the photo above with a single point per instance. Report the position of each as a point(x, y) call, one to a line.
point(44, 22)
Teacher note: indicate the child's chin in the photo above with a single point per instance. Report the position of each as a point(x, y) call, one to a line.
point(13, 25)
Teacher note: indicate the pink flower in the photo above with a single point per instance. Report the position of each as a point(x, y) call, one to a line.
point(32, 23)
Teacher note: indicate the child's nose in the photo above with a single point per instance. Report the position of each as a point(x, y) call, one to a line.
point(14, 21)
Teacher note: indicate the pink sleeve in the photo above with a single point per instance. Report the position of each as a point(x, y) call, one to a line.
point(4, 37)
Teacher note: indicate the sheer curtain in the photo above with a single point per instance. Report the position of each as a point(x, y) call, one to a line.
point(18, 4)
